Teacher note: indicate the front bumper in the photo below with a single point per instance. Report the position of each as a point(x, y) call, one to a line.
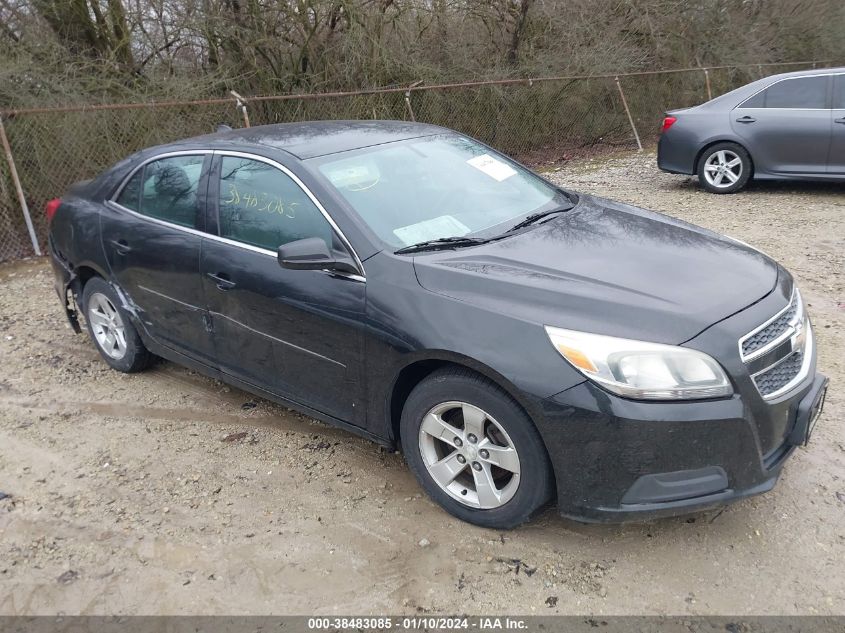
point(619, 460)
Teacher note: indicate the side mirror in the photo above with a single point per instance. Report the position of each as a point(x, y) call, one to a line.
point(312, 253)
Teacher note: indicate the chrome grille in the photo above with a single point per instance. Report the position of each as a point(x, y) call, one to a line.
point(778, 351)
point(771, 332)
point(777, 377)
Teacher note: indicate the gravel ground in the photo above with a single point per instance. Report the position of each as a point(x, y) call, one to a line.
point(167, 492)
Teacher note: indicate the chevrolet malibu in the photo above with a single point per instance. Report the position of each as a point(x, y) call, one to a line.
point(520, 342)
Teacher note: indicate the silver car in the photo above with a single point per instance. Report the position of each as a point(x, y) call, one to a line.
point(783, 127)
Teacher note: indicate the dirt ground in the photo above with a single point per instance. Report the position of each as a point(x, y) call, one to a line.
point(169, 493)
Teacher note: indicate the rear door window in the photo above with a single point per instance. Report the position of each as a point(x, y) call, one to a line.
point(757, 101)
point(804, 93)
point(169, 189)
point(130, 195)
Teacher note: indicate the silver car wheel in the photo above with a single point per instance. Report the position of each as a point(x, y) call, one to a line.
point(469, 455)
point(723, 169)
point(107, 326)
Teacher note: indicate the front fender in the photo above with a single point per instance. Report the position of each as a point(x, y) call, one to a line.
point(408, 324)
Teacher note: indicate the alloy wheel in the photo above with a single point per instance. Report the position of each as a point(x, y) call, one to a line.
point(723, 169)
point(107, 325)
point(469, 455)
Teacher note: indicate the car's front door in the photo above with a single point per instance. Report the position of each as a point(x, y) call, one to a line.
point(836, 162)
point(296, 333)
point(151, 232)
point(786, 127)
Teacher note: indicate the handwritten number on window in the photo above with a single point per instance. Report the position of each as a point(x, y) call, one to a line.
point(234, 197)
point(261, 202)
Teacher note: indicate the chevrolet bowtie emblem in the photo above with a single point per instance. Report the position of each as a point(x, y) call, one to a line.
point(798, 337)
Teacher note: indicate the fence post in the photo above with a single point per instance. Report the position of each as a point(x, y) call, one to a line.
point(408, 104)
point(241, 105)
point(707, 81)
point(13, 172)
point(628, 112)
point(408, 99)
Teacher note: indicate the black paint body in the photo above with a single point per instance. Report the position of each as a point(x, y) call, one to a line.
point(348, 349)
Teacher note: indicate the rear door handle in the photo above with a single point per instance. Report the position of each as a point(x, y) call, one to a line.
point(842, 120)
point(222, 280)
point(121, 246)
point(746, 119)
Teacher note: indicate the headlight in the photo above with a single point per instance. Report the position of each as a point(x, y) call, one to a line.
point(640, 370)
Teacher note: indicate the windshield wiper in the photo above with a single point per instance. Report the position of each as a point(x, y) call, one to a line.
point(442, 243)
point(531, 219)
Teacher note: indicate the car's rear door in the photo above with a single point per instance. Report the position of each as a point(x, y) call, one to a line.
point(786, 127)
point(295, 333)
point(836, 162)
point(152, 235)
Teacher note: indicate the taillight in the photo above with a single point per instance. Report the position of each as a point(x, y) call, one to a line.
point(51, 208)
point(668, 122)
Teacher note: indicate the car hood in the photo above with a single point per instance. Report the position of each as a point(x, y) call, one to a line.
point(607, 268)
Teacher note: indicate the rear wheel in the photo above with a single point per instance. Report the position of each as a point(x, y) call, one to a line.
point(474, 450)
point(724, 168)
point(109, 326)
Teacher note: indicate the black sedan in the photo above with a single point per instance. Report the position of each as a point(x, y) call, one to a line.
point(520, 342)
point(784, 127)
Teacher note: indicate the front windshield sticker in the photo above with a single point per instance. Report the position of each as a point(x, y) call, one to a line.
point(354, 174)
point(494, 168)
point(442, 226)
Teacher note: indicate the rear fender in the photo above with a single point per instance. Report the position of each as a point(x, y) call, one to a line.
point(65, 282)
point(71, 309)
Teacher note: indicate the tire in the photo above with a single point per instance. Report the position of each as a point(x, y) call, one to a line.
point(720, 164)
point(111, 329)
point(463, 401)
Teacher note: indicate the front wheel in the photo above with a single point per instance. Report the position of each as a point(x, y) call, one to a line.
point(474, 450)
point(724, 168)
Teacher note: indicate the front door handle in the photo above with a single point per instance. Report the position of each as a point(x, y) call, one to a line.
point(121, 246)
point(222, 280)
point(842, 120)
point(746, 119)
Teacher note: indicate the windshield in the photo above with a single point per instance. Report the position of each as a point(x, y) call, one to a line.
point(436, 187)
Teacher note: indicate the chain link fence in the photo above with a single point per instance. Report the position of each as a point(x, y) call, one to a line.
point(537, 120)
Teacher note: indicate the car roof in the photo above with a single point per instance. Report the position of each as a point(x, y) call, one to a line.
point(737, 95)
point(309, 139)
point(807, 73)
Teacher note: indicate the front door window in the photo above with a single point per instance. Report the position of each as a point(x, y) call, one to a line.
point(262, 206)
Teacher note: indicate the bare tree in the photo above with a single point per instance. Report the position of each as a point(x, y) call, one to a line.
point(124, 49)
